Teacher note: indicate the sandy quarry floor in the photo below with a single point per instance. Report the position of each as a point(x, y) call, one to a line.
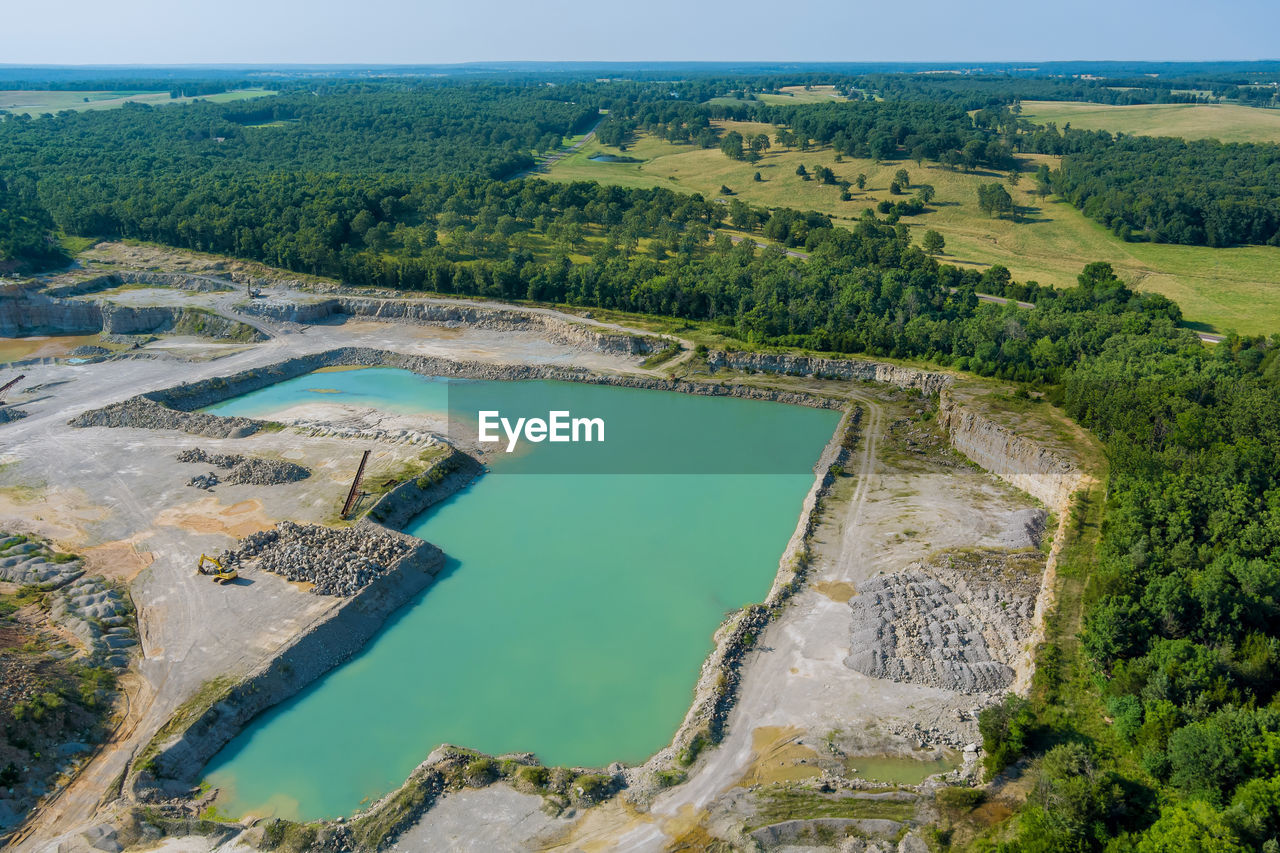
point(797, 696)
point(118, 496)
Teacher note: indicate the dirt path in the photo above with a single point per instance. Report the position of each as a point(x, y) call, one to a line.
point(551, 159)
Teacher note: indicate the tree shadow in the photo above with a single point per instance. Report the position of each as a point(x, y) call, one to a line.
point(1200, 326)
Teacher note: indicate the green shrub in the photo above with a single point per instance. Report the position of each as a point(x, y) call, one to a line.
point(592, 787)
point(670, 778)
point(961, 799)
point(535, 777)
point(1004, 729)
point(481, 772)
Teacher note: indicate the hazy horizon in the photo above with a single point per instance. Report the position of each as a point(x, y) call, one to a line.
point(402, 32)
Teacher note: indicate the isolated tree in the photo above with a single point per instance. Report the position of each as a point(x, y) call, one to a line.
point(756, 177)
point(731, 145)
point(760, 143)
point(724, 190)
point(895, 188)
point(802, 171)
point(861, 181)
point(1015, 177)
point(925, 193)
point(903, 179)
point(994, 200)
point(1043, 181)
point(932, 242)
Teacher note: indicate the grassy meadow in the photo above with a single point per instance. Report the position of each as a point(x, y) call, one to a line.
point(34, 102)
point(1227, 122)
point(791, 95)
point(1218, 289)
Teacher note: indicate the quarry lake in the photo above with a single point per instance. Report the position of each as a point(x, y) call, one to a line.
point(578, 600)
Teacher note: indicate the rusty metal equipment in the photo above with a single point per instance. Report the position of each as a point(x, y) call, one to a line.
point(10, 384)
point(355, 486)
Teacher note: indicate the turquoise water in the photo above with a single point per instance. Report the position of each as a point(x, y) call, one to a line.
point(575, 609)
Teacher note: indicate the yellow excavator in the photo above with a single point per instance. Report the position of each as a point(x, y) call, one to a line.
point(213, 568)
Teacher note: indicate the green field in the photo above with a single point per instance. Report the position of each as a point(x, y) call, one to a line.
point(1228, 122)
point(34, 102)
point(791, 95)
point(1218, 289)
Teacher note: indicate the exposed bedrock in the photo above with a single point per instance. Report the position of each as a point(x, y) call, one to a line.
point(402, 504)
point(97, 284)
point(175, 408)
point(503, 319)
point(1014, 458)
point(97, 612)
point(38, 314)
point(802, 365)
point(957, 623)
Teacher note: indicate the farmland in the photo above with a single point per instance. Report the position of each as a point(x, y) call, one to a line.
point(1227, 122)
point(1218, 289)
point(35, 102)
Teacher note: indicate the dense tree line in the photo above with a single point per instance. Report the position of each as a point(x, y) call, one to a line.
point(979, 91)
point(392, 186)
point(27, 238)
point(350, 127)
point(1200, 192)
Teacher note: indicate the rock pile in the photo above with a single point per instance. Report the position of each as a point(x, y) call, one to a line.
point(25, 561)
point(251, 470)
point(204, 481)
point(145, 413)
point(336, 561)
point(955, 625)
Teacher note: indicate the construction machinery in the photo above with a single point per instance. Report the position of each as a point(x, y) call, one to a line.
point(213, 568)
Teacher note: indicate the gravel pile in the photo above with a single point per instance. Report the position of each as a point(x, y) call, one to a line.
point(145, 413)
point(956, 625)
point(203, 481)
point(251, 470)
point(89, 351)
point(337, 561)
point(9, 413)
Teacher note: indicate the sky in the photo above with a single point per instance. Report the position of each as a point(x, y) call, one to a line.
point(128, 32)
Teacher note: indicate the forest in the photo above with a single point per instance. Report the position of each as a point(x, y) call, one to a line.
point(413, 186)
point(1201, 192)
